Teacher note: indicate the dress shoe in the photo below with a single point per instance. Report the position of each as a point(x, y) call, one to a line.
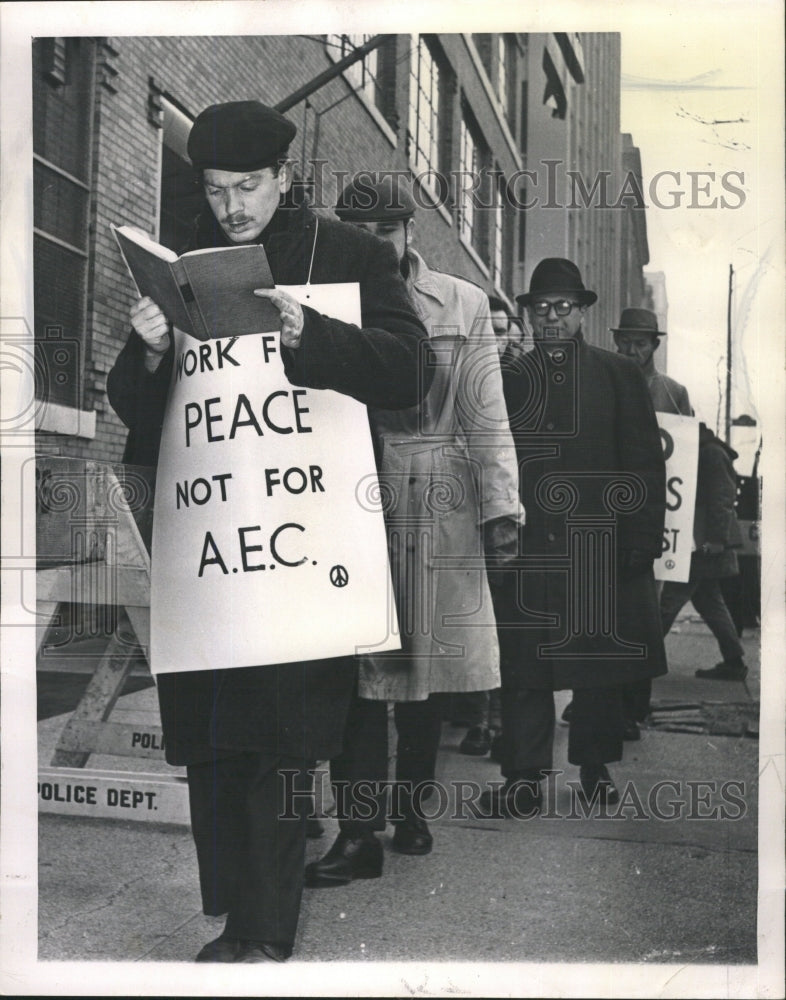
point(477, 742)
point(261, 951)
point(728, 670)
point(223, 949)
point(567, 712)
point(631, 731)
point(349, 858)
point(595, 779)
point(518, 799)
point(412, 836)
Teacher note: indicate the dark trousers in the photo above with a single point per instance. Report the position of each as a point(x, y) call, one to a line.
point(360, 773)
point(708, 600)
point(250, 836)
point(636, 700)
point(594, 736)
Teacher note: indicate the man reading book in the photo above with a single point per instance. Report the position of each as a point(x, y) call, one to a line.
point(237, 730)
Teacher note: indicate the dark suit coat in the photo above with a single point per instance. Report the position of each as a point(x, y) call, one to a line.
point(715, 519)
point(588, 420)
point(296, 709)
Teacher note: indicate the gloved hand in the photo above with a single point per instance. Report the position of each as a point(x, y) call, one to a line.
point(633, 562)
point(501, 545)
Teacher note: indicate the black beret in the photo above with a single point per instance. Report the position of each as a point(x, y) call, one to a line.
point(239, 135)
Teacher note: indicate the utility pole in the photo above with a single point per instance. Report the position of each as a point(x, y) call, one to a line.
point(728, 358)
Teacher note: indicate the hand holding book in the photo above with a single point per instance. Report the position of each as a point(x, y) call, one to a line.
point(207, 293)
point(290, 312)
point(152, 327)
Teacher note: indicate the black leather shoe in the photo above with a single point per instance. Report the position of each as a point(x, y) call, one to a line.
point(261, 951)
point(631, 732)
point(412, 836)
point(596, 781)
point(728, 670)
point(567, 712)
point(223, 949)
point(349, 858)
point(518, 799)
point(477, 742)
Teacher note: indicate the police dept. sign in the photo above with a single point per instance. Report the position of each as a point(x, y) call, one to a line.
point(680, 437)
point(268, 545)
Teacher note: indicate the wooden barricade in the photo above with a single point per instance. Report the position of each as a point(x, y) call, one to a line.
point(94, 524)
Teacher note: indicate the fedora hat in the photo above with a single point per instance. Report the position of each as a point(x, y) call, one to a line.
point(557, 276)
point(638, 321)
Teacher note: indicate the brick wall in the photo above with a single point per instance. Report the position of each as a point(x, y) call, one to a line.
point(335, 127)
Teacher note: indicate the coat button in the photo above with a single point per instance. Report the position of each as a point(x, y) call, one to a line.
point(550, 426)
point(551, 536)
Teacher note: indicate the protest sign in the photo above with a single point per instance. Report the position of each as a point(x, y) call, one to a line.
point(269, 543)
point(680, 437)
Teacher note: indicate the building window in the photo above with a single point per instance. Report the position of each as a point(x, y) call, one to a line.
point(469, 166)
point(181, 197)
point(63, 80)
point(475, 197)
point(424, 107)
point(498, 263)
point(502, 73)
point(373, 76)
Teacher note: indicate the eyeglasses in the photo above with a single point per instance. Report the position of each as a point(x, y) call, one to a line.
point(562, 307)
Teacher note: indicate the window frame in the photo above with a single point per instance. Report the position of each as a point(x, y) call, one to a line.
point(67, 415)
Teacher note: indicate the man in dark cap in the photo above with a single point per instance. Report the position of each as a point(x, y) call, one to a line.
point(638, 337)
point(449, 470)
point(580, 612)
point(237, 731)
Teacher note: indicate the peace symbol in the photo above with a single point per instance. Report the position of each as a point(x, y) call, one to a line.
point(339, 576)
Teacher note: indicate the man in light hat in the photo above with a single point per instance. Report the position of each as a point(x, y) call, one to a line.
point(238, 730)
point(448, 469)
point(638, 337)
point(580, 612)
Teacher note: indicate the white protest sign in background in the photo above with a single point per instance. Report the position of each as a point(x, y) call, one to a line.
point(269, 544)
point(680, 437)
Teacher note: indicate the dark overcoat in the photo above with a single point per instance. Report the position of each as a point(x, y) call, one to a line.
point(715, 519)
point(592, 481)
point(293, 709)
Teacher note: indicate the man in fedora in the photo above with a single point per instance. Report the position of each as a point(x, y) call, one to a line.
point(242, 733)
point(580, 610)
point(638, 337)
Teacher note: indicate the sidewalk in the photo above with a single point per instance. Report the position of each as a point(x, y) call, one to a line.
point(634, 888)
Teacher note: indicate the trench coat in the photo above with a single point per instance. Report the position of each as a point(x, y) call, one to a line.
point(668, 395)
point(592, 480)
point(295, 709)
point(447, 467)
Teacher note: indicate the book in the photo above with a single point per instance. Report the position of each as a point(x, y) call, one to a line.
point(206, 293)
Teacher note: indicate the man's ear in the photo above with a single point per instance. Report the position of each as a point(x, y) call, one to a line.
point(286, 173)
